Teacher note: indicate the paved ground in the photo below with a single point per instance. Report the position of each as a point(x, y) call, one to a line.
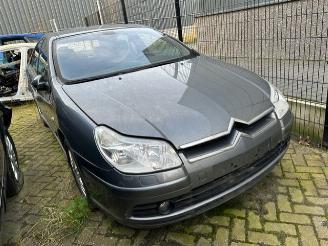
point(289, 207)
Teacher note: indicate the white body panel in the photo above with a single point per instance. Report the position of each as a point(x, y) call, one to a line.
point(23, 94)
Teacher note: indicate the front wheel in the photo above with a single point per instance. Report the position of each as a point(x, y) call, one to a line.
point(78, 179)
point(15, 178)
point(76, 173)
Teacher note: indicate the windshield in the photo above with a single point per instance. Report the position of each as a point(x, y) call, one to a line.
point(103, 53)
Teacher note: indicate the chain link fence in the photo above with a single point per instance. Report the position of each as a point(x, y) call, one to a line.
point(283, 41)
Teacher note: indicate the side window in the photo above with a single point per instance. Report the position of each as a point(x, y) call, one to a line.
point(43, 46)
point(34, 58)
point(33, 61)
point(39, 61)
point(43, 61)
point(43, 67)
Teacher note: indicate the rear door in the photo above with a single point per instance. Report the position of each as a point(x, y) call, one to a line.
point(37, 65)
point(44, 97)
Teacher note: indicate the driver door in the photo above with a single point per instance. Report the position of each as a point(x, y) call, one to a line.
point(38, 65)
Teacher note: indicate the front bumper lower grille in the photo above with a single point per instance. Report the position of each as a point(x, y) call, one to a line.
point(213, 188)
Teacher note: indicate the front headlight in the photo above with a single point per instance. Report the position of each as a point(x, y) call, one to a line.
point(135, 155)
point(279, 101)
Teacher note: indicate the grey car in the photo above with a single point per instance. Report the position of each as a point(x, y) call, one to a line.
point(155, 132)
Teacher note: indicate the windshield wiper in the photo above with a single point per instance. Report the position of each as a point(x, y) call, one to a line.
point(129, 70)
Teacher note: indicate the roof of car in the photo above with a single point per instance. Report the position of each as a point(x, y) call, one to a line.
point(73, 31)
point(7, 37)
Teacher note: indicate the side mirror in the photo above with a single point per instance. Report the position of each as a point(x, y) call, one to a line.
point(36, 81)
point(38, 84)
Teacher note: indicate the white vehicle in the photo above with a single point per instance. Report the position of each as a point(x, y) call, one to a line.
point(13, 77)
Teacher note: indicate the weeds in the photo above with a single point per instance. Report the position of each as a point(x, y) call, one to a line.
point(58, 223)
point(77, 212)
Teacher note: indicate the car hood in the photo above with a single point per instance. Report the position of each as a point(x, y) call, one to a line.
point(181, 102)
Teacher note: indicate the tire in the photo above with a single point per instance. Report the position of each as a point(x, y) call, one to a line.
point(15, 177)
point(76, 171)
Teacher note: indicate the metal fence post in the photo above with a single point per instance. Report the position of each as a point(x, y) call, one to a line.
point(100, 14)
point(98, 18)
point(86, 21)
point(178, 16)
point(125, 16)
point(53, 25)
point(325, 126)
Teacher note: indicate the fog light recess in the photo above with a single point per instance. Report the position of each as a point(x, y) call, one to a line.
point(165, 207)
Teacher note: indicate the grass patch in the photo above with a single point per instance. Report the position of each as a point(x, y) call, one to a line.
point(77, 212)
point(59, 223)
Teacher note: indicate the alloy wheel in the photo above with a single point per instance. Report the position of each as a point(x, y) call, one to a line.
point(77, 174)
point(12, 158)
